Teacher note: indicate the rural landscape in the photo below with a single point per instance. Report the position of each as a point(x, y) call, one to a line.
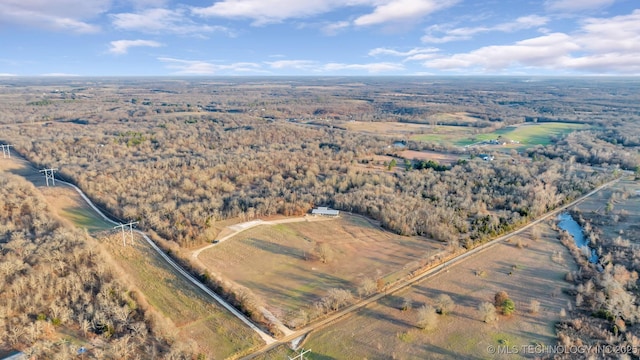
point(320, 217)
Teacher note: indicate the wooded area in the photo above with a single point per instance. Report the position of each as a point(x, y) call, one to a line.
point(58, 292)
point(179, 155)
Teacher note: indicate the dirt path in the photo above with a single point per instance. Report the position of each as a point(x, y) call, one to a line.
point(238, 228)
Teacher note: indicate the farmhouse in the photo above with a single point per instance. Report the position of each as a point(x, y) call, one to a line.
point(325, 211)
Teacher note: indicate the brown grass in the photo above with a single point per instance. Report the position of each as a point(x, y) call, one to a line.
point(386, 128)
point(277, 262)
point(440, 157)
point(384, 331)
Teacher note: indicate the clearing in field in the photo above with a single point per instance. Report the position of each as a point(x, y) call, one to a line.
point(534, 271)
point(440, 157)
point(527, 135)
point(191, 313)
point(387, 128)
point(281, 264)
point(623, 200)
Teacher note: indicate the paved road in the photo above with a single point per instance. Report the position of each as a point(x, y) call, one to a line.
point(425, 275)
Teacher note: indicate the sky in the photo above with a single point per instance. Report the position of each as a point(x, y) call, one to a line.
point(319, 37)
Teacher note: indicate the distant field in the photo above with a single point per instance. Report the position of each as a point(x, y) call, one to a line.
point(277, 262)
point(526, 134)
point(457, 117)
point(383, 331)
point(443, 158)
point(532, 134)
point(385, 128)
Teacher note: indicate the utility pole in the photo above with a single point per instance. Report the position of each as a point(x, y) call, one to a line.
point(6, 150)
point(48, 174)
point(130, 225)
point(301, 355)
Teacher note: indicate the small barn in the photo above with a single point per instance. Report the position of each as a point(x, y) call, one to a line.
point(325, 211)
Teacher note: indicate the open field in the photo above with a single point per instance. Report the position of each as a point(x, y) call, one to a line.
point(71, 207)
point(387, 128)
point(383, 331)
point(440, 157)
point(527, 134)
point(217, 333)
point(626, 207)
point(530, 134)
point(279, 263)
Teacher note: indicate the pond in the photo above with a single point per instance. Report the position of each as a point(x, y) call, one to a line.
point(566, 222)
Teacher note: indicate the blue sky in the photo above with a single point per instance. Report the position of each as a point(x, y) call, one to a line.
point(319, 37)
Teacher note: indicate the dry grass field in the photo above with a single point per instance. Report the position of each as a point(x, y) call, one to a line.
point(387, 128)
point(279, 264)
point(384, 331)
point(628, 211)
point(194, 316)
point(440, 157)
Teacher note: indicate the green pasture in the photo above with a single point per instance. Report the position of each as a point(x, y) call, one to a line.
point(84, 217)
point(526, 134)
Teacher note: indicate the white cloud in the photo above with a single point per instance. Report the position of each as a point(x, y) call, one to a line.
point(122, 46)
point(600, 45)
point(465, 33)
point(273, 11)
point(199, 67)
point(415, 54)
point(335, 28)
point(373, 68)
point(266, 11)
point(576, 5)
point(402, 10)
point(531, 52)
point(59, 75)
point(7, 74)
point(59, 15)
point(157, 21)
point(293, 64)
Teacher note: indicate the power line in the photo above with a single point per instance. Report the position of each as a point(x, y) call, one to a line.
point(48, 174)
point(6, 150)
point(130, 225)
point(300, 356)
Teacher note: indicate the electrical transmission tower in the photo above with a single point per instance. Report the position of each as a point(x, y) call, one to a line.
point(299, 356)
point(122, 226)
point(48, 174)
point(6, 150)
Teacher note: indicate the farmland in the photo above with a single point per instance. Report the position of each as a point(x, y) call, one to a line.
point(280, 264)
point(526, 135)
point(526, 269)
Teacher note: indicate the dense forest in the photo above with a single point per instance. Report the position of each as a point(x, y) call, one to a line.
point(58, 294)
point(180, 155)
